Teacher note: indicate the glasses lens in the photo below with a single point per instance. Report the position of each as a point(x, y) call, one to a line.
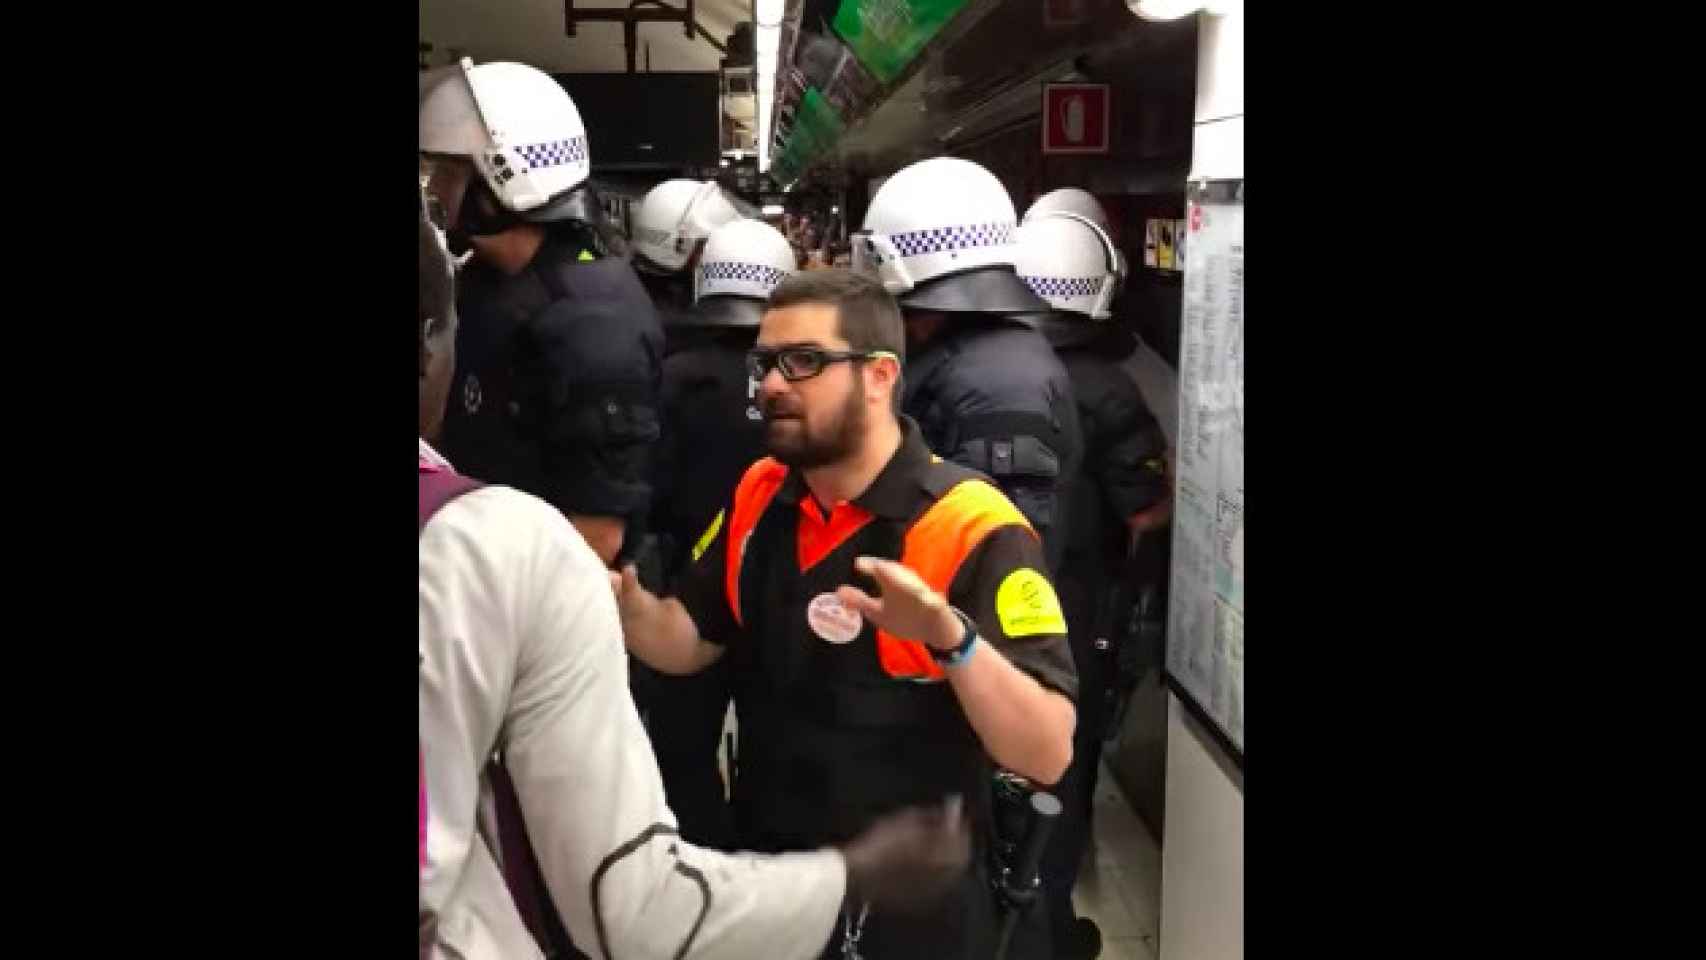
point(800, 364)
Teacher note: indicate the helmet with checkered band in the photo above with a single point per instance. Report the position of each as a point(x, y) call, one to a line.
point(1084, 204)
point(675, 216)
point(519, 128)
point(939, 235)
point(1068, 261)
point(743, 261)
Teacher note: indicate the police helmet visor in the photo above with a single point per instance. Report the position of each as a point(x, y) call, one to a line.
point(445, 179)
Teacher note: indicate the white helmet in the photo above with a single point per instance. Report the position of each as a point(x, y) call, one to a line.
point(1084, 204)
point(743, 261)
point(515, 123)
point(1069, 200)
point(939, 235)
point(1068, 261)
point(675, 216)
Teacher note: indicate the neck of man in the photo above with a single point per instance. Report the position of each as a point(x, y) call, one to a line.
point(836, 482)
point(513, 249)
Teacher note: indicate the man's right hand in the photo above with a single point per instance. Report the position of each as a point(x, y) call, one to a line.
point(907, 861)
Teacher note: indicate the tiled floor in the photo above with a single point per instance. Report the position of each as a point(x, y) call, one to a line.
point(1120, 886)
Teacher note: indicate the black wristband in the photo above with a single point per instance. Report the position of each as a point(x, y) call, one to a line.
point(948, 658)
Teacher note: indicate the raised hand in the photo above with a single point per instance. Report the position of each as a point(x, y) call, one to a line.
point(908, 608)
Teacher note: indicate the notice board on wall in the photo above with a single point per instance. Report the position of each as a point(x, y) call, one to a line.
point(1205, 633)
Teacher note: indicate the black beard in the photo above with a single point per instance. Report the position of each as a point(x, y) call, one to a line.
point(845, 434)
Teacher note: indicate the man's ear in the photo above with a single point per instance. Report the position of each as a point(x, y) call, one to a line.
point(887, 371)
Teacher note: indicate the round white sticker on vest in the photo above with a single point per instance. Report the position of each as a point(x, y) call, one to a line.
point(832, 620)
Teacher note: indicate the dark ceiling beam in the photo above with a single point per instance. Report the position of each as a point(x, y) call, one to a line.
point(636, 13)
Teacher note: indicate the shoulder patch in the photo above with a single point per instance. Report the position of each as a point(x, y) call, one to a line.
point(1026, 605)
point(709, 535)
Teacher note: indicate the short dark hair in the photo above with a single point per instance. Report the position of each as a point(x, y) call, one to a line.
point(438, 286)
point(866, 316)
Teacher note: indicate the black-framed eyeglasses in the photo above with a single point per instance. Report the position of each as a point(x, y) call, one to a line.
point(802, 363)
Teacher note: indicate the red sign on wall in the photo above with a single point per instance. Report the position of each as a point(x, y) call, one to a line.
point(1075, 118)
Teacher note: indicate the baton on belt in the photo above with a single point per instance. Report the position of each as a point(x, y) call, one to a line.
point(1018, 885)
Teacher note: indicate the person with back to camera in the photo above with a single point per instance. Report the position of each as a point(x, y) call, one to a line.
point(985, 387)
point(1119, 494)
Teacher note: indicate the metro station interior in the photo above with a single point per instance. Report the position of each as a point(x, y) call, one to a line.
point(803, 108)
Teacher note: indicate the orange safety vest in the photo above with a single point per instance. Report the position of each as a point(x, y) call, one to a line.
point(936, 544)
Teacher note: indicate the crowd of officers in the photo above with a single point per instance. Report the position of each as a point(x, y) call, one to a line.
point(688, 400)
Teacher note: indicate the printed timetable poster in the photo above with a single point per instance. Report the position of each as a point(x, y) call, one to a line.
point(1205, 630)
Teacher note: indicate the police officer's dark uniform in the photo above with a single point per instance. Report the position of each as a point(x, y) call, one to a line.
point(712, 431)
point(833, 734)
point(558, 371)
point(989, 393)
point(1123, 473)
point(672, 298)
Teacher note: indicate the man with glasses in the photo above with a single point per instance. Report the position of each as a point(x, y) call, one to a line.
point(887, 617)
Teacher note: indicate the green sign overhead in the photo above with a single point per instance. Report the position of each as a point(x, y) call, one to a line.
point(817, 122)
point(816, 128)
point(887, 34)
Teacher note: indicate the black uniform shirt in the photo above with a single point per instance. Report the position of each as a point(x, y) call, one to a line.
point(557, 374)
point(1001, 582)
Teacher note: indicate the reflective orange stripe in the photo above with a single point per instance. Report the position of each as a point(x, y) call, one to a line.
point(752, 495)
point(935, 547)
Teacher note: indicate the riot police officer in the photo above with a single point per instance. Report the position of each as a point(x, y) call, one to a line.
point(982, 383)
point(559, 351)
point(1117, 496)
point(670, 228)
point(712, 432)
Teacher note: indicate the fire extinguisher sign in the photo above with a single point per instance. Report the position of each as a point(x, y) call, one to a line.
point(1075, 118)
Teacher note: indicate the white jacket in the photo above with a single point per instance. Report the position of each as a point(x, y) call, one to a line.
point(521, 649)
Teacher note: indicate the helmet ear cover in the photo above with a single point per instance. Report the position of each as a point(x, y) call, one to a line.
point(875, 255)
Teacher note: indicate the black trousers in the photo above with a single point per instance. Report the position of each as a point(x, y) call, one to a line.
point(1076, 790)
